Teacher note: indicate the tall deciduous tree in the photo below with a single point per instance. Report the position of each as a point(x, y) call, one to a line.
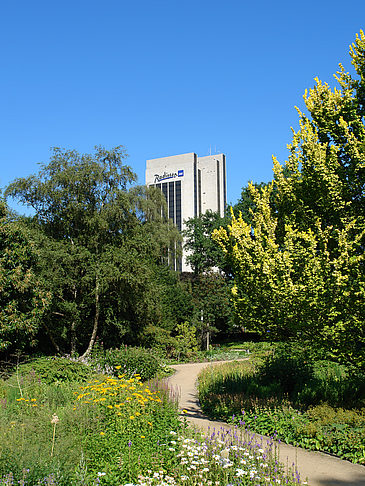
point(23, 299)
point(203, 253)
point(299, 266)
point(98, 237)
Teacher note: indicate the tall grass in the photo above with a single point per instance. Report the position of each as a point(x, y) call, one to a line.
point(316, 405)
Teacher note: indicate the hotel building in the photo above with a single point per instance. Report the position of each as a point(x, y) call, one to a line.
point(191, 186)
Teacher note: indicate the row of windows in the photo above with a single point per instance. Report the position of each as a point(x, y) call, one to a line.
point(172, 193)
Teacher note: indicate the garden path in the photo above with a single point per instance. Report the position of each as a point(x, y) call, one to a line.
point(320, 469)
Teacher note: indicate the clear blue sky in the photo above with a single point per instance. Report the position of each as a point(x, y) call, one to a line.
point(164, 77)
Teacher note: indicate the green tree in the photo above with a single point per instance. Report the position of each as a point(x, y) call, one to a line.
point(23, 299)
point(245, 204)
point(213, 306)
point(203, 252)
point(299, 265)
point(210, 285)
point(99, 238)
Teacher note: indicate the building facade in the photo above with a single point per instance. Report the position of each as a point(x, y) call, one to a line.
point(191, 186)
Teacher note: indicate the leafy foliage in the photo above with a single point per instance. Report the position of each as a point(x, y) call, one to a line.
point(99, 240)
point(129, 361)
point(203, 253)
point(23, 299)
point(51, 370)
point(186, 341)
point(213, 306)
point(299, 264)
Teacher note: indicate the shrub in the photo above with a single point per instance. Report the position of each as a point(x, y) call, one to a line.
point(160, 340)
point(186, 341)
point(129, 361)
point(288, 368)
point(52, 370)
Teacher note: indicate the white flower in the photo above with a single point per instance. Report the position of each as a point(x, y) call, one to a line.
point(54, 419)
point(172, 432)
point(225, 453)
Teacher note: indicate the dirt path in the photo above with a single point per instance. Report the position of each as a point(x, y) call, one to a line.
point(320, 469)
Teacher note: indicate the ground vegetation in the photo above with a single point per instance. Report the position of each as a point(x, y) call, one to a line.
point(115, 430)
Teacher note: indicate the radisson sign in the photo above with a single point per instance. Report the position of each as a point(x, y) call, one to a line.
point(168, 175)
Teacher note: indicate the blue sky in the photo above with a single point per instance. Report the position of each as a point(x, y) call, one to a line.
point(164, 78)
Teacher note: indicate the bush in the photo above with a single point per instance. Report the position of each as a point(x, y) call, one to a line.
point(160, 340)
point(129, 361)
point(52, 370)
point(186, 341)
point(289, 368)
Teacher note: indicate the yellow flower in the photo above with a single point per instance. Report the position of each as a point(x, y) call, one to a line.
point(102, 433)
point(118, 368)
point(110, 406)
point(143, 437)
point(131, 417)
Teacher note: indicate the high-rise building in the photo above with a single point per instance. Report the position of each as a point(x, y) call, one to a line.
point(191, 186)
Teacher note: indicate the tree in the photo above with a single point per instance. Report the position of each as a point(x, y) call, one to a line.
point(99, 238)
point(299, 266)
point(245, 205)
point(213, 307)
point(203, 252)
point(23, 299)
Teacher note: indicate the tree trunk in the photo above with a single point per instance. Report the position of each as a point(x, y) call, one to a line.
point(52, 338)
point(96, 320)
point(73, 330)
